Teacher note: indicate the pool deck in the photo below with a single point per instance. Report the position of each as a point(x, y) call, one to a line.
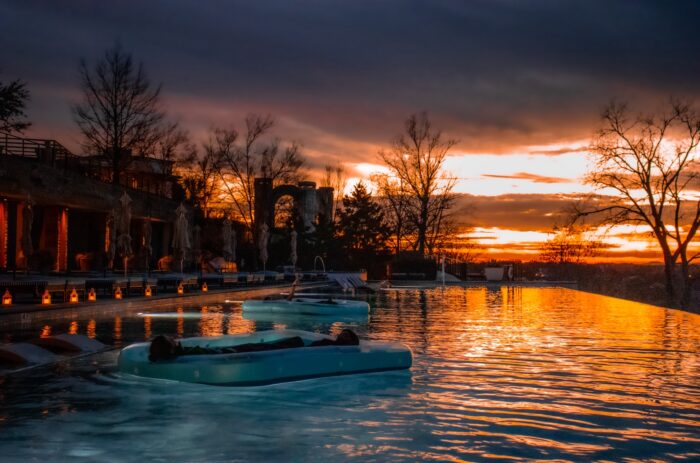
point(10, 315)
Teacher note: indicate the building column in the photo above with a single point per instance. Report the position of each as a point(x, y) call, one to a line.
point(3, 234)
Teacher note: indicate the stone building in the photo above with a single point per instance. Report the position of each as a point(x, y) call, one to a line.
point(313, 205)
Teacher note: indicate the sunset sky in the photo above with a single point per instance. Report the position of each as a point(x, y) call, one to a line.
point(520, 84)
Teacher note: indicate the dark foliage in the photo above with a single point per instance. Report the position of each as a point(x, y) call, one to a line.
point(362, 230)
point(13, 99)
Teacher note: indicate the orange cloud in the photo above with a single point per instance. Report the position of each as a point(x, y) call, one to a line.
point(532, 178)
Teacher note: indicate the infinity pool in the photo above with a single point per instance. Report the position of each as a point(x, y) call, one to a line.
point(509, 374)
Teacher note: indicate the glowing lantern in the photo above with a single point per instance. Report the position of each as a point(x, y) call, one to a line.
point(148, 292)
point(92, 295)
point(118, 293)
point(7, 298)
point(180, 289)
point(205, 288)
point(73, 296)
point(46, 298)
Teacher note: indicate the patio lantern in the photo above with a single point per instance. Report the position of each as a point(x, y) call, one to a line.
point(118, 293)
point(148, 292)
point(73, 298)
point(180, 289)
point(205, 288)
point(46, 298)
point(7, 298)
point(92, 295)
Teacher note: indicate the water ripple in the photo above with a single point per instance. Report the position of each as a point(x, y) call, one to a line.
point(514, 374)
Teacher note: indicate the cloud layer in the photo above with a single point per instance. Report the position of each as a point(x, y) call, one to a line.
point(496, 74)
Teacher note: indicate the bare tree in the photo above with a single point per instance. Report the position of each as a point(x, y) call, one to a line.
point(397, 203)
point(650, 162)
point(167, 142)
point(120, 110)
point(416, 159)
point(336, 178)
point(240, 162)
point(569, 244)
point(13, 99)
point(198, 174)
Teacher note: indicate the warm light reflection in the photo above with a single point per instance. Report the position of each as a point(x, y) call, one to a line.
point(537, 368)
point(45, 331)
point(212, 321)
point(73, 329)
point(117, 330)
point(147, 327)
point(91, 327)
point(180, 322)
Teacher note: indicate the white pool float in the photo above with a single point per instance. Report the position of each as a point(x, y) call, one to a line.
point(265, 367)
point(307, 306)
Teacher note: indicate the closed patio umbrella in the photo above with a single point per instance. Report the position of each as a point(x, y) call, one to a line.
point(181, 235)
point(233, 246)
point(124, 229)
point(293, 254)
point(197, 245)
point(228, 237)
point(262, 244)
point(146, 237)
point(111, 244)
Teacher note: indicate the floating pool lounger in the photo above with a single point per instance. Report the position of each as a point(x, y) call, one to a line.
point(265, 367)
point(299, 319)
point(69, 343)
point(307, 306)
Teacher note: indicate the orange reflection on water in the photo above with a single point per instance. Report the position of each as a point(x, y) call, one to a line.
point(180, 322)
point(147, 327)
point(560, 371)
point(212, 321)
point(117, 330)
point(45, 332)
point(73, 329)
point(239, 325)
point(91, 329)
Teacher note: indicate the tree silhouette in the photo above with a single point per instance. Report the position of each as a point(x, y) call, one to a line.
point(650, 163)
point(120, 110)
point(416, 160)
point(13, 99)
point(361, 225)
point(239, 162)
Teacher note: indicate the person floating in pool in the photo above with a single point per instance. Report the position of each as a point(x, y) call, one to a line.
point(166, 348)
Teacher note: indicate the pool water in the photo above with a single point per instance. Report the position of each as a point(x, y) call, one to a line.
point(508, 373)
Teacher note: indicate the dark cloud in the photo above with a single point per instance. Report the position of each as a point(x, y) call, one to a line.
point(531, 177)
point(522, 212)
point(496, 74)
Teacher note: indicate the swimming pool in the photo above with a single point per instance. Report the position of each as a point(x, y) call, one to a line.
point(499, 373)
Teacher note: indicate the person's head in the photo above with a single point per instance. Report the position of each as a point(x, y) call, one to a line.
point(162, 348)
point(347, 338)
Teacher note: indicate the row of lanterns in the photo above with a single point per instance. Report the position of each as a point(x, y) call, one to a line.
point(92, 295)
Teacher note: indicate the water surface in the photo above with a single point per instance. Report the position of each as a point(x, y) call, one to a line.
point(509, 374)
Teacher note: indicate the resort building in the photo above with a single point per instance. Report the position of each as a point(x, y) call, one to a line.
point(56, 208)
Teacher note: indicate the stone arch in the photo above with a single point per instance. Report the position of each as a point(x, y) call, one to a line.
point(310, 202)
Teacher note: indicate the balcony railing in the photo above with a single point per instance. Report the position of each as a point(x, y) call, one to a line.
point(53, 153)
